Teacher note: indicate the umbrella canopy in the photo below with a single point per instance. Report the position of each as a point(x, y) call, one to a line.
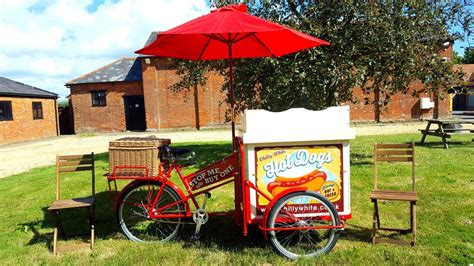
point(227, 33)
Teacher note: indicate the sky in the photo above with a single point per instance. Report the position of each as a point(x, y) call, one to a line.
point(45, 43)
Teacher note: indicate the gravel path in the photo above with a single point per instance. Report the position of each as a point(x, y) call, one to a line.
point(20, 157)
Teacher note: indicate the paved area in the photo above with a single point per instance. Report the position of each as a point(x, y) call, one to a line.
point(20, 157)
point(464, 115)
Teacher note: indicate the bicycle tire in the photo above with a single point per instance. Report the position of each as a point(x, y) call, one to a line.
point(305, 245)
point(132, 218)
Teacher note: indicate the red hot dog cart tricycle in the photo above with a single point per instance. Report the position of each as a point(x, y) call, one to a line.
point(291, 177)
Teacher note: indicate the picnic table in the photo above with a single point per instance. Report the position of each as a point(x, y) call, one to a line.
point(445, 129)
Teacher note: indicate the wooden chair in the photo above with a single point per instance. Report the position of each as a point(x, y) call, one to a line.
point(394, 153)
point(73, 163)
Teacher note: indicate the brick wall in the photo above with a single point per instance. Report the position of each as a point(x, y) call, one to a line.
point(101, 118)
point(177, 109)
point(168, 109)
point(402, 107)
point(23, 127)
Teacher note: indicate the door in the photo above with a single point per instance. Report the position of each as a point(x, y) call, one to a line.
point(459, 102)
point(134, 112)
point(470, 101)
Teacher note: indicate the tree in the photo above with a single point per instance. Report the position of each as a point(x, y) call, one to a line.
point(457, 59)
point(379, 46)
point(468, 57)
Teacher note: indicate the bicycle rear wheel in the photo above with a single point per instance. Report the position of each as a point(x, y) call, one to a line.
point(132, 213)
point(303, 209)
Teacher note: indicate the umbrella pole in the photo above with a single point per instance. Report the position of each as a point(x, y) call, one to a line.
point(231, 89)
point(237, 188)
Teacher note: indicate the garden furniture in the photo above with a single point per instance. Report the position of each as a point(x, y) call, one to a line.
point(445, 129)
point(69, 164)
point(394, 153)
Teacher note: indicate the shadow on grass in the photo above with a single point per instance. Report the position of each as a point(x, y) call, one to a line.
point(361, 159)
point(440, 145)
point(223, 234)
point(75, 223)
point(364, 234)
point(357, 233)
point(218, 233)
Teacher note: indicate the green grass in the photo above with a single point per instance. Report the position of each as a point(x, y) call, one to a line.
point(445, 214)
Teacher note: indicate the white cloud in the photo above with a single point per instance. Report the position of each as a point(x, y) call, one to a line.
point(47, 43)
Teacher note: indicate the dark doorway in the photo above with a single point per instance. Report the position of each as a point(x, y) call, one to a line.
point(134, 112)
point(460, 102)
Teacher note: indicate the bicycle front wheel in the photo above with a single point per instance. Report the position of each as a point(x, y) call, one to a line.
point(132, 213)
point(300, 210)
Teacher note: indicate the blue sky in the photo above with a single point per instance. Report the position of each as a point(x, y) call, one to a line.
point(46, 43)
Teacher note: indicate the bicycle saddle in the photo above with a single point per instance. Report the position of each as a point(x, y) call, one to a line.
point(167, 152)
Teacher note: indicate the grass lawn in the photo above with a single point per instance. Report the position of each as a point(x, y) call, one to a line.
point(445, 182)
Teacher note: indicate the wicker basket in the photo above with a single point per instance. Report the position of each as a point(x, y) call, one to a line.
point(135, 152)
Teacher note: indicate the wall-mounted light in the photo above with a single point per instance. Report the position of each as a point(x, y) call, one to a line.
point(147, 61)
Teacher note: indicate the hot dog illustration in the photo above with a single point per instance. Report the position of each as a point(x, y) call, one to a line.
point(312, 181)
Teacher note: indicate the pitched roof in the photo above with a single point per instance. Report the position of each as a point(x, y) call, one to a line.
point(151, 38)
point(10, 87)
point(125, 69)
point(468, 73)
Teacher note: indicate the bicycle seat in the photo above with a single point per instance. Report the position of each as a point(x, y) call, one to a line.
point(167, 153)
point(179, 152)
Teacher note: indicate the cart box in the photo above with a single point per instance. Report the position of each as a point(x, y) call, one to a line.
point(298, 148)
point(135, 152)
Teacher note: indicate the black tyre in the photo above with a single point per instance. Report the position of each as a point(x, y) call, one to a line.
point(290, 211)
point(132, 213)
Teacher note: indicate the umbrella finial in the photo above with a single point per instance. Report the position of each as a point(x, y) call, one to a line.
point(239, 7)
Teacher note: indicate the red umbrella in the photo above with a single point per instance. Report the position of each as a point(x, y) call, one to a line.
point(228, 33)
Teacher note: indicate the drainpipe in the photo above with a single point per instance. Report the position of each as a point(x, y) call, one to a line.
point(56, 115)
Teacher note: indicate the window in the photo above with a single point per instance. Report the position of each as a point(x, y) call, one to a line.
point(98, 98)
point(37, 110)
point(6, 111)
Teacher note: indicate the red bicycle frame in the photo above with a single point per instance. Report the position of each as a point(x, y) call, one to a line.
point(206, 179)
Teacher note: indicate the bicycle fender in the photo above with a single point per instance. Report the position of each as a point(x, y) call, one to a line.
point(273, 201)
point(126, 188)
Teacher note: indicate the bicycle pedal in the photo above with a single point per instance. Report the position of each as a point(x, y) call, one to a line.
point(195, 237)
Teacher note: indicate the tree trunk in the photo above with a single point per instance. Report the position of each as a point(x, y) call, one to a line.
point(377, 103)
point(436, 106)
point(196, 106)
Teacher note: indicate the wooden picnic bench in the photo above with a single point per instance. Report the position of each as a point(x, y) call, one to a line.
point(445, 129)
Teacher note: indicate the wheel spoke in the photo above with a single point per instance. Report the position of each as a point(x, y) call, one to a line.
point(133, 213)
point(301, 242)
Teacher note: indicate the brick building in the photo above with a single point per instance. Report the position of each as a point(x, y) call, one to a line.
point(402, 107)
point(405, 107)
point(136, 94)
point(464, 99)
point(26, 112)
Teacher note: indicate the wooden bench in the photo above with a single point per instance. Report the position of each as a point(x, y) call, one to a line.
point(443, 131)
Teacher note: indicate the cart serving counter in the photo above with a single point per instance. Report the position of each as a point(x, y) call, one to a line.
point(298, 148)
